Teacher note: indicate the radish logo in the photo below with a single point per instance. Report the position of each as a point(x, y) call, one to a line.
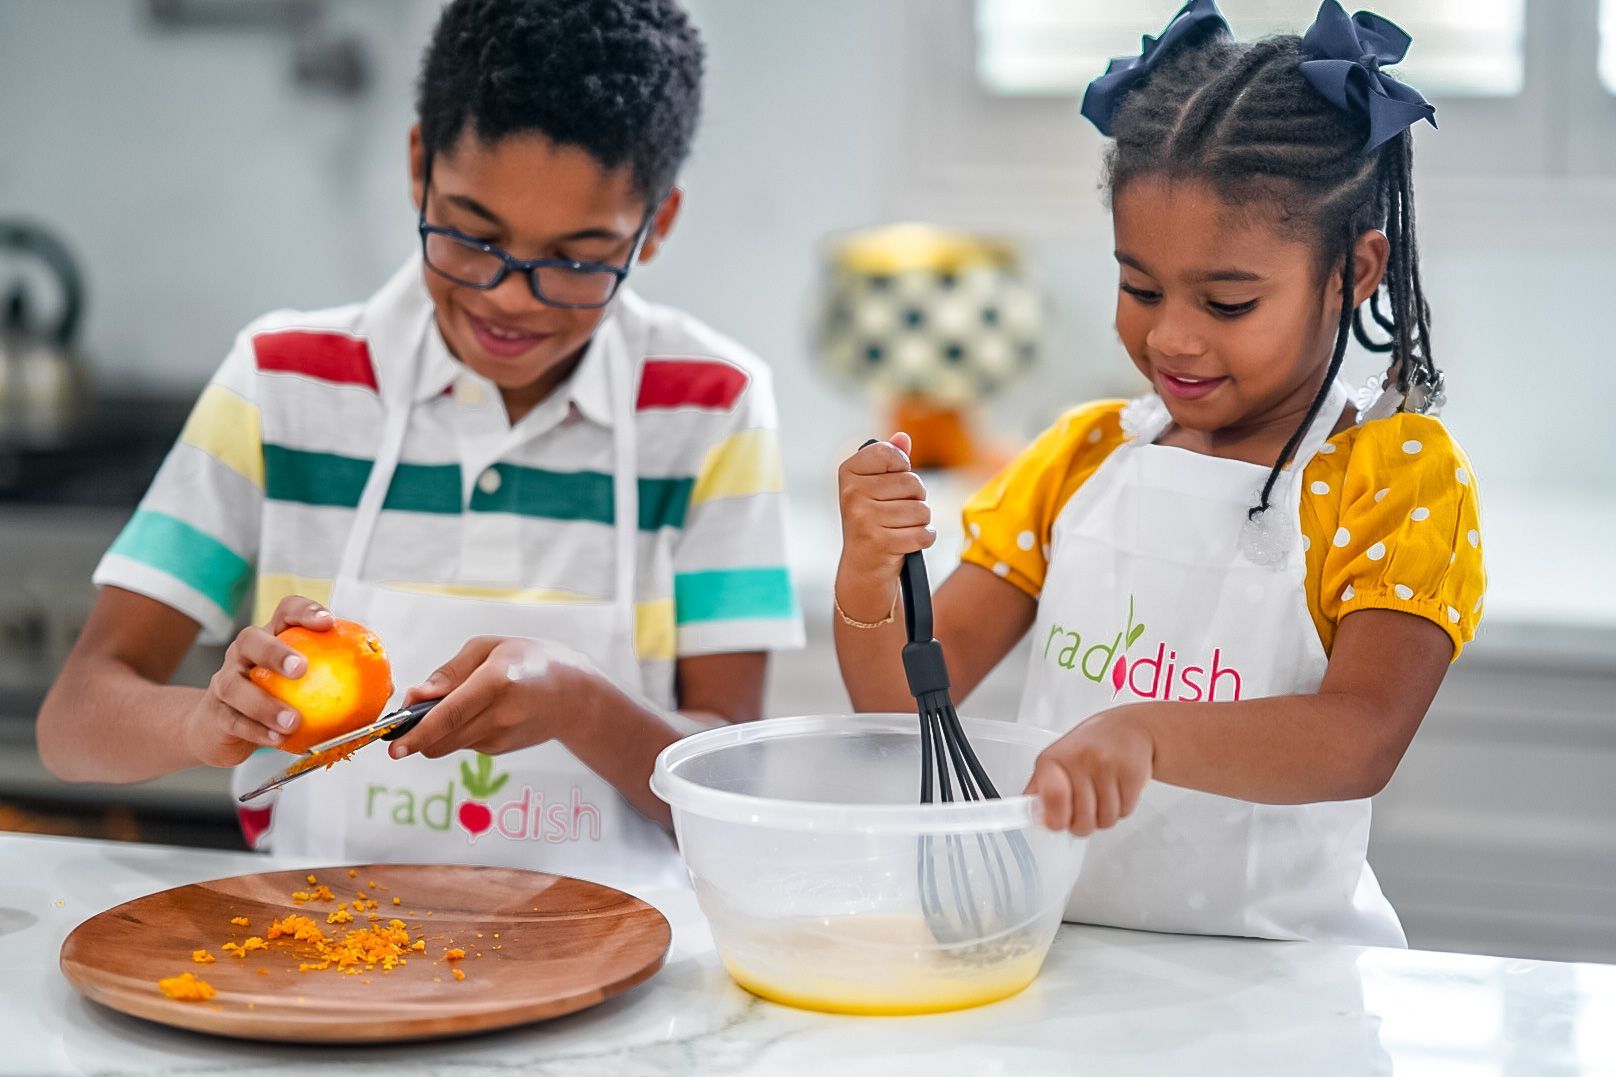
point(1129, 636)
point(481, 783)
point(556, 812)
point(1159, 676)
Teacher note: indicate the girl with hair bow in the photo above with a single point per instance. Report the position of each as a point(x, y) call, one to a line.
point(1242, 590)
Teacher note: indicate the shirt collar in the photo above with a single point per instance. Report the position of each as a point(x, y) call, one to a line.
point(587, 389)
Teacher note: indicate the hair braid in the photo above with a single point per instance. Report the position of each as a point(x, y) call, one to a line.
point(1342, 334)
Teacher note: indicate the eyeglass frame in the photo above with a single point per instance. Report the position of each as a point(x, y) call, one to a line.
point(528, 268)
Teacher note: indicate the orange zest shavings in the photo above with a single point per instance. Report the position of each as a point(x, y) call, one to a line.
point(383, 945)
point(253, 943)
point(377, 945)
point(186, 988)
point(328, 759)
point(296, 927)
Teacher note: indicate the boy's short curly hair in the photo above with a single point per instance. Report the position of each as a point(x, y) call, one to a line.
point(620, 79)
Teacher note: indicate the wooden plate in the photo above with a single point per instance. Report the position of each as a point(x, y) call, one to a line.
point(563, 945)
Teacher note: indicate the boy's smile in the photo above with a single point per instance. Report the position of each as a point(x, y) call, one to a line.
point(532, 198)
point(1226, 315)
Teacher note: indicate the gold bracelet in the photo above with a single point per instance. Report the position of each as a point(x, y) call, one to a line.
point(846, 620)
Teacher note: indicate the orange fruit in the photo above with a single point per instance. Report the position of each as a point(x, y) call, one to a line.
point(348, 682)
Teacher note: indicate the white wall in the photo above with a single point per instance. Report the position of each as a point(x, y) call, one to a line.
point(201, 188)
point(197, 185)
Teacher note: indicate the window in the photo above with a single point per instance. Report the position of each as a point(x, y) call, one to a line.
point(1607, 44)
point(1463, 48)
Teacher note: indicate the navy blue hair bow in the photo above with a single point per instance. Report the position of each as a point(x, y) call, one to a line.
point(1195, 21)
point(1344, 61)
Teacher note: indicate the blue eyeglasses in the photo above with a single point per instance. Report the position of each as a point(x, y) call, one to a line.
point(556, 282)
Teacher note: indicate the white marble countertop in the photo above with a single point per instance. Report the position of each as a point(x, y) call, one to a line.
point(1112, 1002)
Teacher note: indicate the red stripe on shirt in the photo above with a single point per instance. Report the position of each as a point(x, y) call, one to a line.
point(333, 357)
point(692, 383)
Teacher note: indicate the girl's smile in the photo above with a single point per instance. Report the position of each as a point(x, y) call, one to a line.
point(1186, 387)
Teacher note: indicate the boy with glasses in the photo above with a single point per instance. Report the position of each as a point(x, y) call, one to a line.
point(559, 506)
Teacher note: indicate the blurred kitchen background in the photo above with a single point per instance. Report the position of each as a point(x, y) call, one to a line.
point(205, 161)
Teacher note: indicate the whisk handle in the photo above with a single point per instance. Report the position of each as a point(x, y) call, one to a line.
point(916, 590)
point(916, 598)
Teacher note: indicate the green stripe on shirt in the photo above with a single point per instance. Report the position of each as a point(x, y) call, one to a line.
point(319, 478)
point(581, 495)
point(733, 594)
point(313, 478)
point(193, 557)
point(322, 478)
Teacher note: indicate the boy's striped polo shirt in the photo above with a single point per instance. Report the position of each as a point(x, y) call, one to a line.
point(257, 498)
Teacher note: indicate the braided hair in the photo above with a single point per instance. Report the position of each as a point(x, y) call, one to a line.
point(1243, 119)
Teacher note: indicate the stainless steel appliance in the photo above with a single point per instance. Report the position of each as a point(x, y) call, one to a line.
point(43, 386)
point(62, 502)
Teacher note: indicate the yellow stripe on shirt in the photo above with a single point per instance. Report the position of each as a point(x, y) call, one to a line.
point(487, 593)
point(655, 635)
point(272, 587)
point(226, 426)
point(743, 464)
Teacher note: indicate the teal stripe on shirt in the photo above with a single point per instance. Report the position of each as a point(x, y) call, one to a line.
point(319, 478)
point(193, 557)
point(733, 594)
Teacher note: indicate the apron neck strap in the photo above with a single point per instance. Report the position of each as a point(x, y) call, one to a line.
point(1318, 431)
point(396, 336)
point(621, 369)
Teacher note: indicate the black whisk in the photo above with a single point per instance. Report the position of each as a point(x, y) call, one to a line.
point(992, 882)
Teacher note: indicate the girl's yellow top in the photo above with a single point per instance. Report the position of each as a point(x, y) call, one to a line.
point(1389, 514)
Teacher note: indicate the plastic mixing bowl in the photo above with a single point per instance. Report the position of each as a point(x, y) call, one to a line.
point(804, 836)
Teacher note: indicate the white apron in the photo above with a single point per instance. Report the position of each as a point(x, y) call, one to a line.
point(1149, 595)
point(538, 807)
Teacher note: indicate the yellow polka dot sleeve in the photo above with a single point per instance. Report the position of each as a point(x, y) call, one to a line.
point(1009, 520)
point(1392, 519)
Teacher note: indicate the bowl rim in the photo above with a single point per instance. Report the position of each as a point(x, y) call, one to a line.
point(961, 817)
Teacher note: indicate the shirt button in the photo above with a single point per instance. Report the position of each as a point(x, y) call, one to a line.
point(488, 482)
point(468, 392)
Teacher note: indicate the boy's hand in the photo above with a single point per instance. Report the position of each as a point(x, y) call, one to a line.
point(884, 517)
point(236, 716)
point(1093, 776)
point(499, 694)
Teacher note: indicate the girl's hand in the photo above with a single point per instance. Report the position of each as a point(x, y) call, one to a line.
point(1093, 776)
point(884, 517)
point(499, 694)
point(235, 716)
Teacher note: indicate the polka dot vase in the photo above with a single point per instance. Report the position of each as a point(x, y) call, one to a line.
point(929, 322)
